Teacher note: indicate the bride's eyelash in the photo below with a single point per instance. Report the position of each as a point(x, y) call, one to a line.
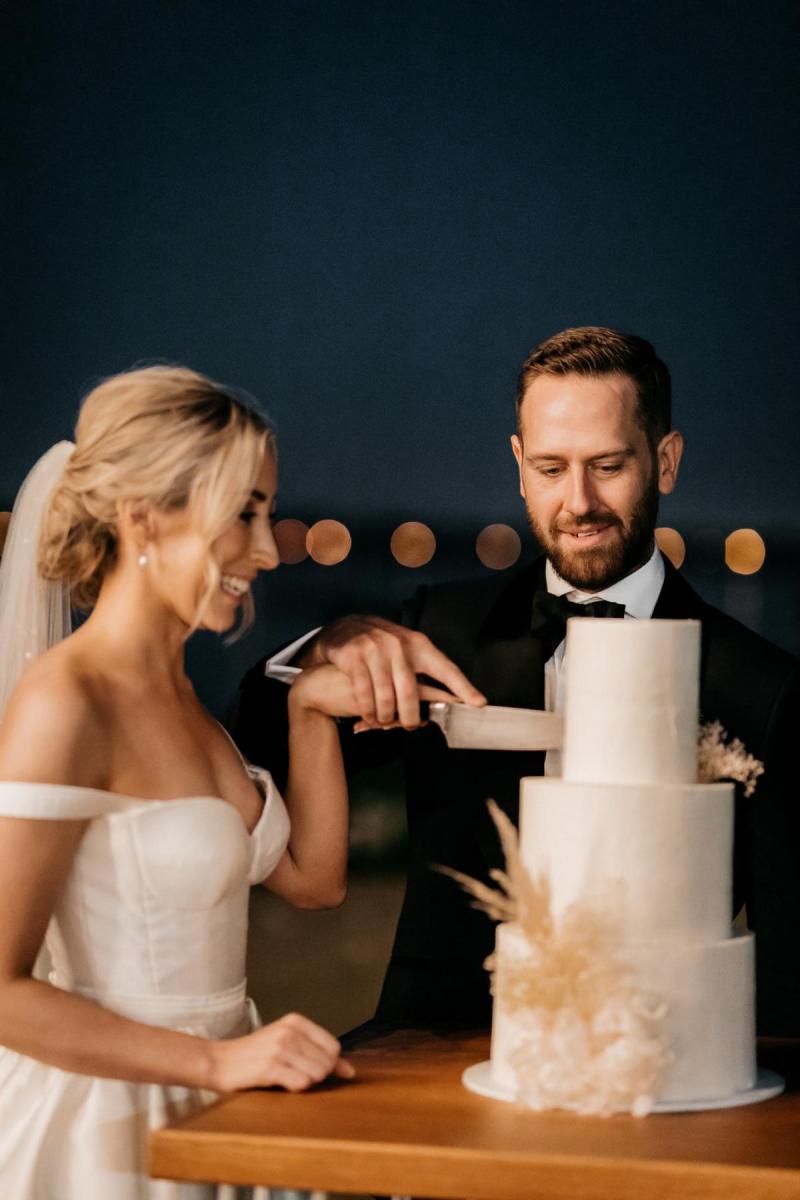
point(248, 516)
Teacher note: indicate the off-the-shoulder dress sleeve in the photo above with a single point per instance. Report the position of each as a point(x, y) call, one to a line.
point(59, 802)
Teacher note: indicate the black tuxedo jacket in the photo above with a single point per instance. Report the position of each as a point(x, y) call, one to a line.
point(436, 973)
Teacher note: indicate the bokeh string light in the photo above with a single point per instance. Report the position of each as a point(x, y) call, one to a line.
point(290, 536)
point(498, 547)
point(745, 551)
point(328, 542)
point(413, 544)
point(672, 544)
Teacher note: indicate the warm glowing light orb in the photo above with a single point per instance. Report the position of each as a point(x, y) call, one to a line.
point(328, 542)
point(498, 547)
point(290, 536)
point(672, 544)
point(745, 551)
point(413, 544)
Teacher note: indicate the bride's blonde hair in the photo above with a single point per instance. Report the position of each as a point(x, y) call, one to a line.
point(163, 436)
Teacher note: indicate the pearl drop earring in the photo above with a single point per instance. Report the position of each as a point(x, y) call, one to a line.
point(142, 560)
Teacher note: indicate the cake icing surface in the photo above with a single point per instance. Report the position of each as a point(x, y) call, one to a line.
point(632, 701)
point(630, 838)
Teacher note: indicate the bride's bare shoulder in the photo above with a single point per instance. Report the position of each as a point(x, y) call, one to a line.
point(53, 727)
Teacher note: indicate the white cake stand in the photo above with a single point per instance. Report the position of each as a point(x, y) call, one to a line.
point(478, 1078)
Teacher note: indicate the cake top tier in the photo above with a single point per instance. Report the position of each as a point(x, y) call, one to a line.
point(632, 701)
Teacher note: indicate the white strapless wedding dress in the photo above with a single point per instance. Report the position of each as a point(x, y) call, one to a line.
point(152, 924)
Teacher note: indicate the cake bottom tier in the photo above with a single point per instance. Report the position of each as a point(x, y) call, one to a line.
point(709, 1024)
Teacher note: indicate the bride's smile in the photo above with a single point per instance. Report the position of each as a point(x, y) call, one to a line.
point(246, 547)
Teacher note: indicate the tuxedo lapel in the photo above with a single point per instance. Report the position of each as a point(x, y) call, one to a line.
point(508, 665)
point(510, 671)
point(677, 601)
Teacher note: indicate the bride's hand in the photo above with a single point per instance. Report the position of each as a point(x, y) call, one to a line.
point(328, 690)
point(292, 1052)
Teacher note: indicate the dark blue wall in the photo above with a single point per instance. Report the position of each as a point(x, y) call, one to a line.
point(367, 212)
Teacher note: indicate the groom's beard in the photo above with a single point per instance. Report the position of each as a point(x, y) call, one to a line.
point(592, 570)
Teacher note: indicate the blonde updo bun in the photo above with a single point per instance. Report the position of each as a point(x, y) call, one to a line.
point(163, 436)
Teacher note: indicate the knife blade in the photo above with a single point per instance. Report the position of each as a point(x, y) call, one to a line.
point(496, 727)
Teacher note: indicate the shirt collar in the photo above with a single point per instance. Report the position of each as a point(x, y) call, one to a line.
point(638, 591)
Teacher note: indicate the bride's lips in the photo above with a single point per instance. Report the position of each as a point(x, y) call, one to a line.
point(234, 587)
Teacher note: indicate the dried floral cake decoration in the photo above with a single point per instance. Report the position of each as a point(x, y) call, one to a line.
point(590, 1038)
point(719, 758)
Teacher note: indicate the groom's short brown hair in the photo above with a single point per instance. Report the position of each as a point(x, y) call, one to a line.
point(594, 350)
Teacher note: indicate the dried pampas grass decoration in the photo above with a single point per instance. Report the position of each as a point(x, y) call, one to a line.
point(718, 758)
point(589, 1039)
point(518, 897)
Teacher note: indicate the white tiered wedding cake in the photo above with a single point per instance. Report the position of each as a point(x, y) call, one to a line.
point(629, 832)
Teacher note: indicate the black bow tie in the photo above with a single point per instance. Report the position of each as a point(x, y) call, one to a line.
point(549, 617)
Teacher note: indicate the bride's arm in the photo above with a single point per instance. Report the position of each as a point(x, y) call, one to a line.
point(47, 737)
point(313, 871)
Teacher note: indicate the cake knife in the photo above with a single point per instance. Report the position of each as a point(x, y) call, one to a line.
point(495, 727)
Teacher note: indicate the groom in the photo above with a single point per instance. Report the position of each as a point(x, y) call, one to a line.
point(595, 449)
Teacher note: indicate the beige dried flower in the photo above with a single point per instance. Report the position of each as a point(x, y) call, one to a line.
point(718, 758)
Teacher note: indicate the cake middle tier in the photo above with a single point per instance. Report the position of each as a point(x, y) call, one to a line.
point(658, 858)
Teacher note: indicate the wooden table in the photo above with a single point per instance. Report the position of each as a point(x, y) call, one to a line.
point(407, 1126)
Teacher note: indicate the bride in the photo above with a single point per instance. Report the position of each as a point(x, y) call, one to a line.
point(130, 829)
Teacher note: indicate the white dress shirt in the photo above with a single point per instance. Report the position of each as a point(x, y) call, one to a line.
point(278, 666)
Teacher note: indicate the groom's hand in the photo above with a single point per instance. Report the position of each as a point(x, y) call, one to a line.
point(382, 661)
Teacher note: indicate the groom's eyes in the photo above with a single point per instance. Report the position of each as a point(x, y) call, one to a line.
point(606, 469)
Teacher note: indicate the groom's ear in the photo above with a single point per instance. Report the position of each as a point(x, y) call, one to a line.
point(668, 459)
point(516, 447)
